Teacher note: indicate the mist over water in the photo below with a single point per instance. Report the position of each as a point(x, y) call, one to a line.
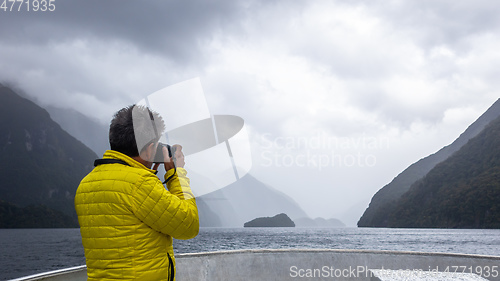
point(30, 251)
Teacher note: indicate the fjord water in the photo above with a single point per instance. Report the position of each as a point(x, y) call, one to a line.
point(29, 251)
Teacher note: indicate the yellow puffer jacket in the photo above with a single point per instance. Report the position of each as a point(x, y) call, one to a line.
point(127, 220)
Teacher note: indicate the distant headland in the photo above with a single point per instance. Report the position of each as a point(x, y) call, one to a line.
point(280, 220)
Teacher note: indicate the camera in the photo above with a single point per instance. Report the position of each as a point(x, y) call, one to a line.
point(159, 152)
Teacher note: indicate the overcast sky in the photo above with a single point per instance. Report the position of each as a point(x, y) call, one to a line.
point(367, 87)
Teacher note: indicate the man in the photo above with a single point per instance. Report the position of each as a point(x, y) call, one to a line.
point(127, 218)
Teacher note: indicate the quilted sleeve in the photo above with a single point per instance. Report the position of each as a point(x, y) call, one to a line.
point(179, 184)
point(171, 212)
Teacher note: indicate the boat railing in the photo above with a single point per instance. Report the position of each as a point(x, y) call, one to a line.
point(309, 264)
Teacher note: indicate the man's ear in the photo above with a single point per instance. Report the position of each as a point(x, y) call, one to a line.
point(148, 154)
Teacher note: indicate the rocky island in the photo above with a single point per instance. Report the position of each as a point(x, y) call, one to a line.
point(280, 220)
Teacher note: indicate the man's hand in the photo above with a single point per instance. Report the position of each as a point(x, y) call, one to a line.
point(178, 155)
point(168, 163)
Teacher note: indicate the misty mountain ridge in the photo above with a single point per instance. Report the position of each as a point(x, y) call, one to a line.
point(41, 164)
point(461, 192)
point(89, 131)
point(383, 201)
point(248, 199)
point(242, 201)
point(318, 223)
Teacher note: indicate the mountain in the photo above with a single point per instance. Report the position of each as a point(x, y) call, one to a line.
point(39, 216)
point(461, 192)
point(384, 200)
point(41, 165)
point(87, 130)
point(242, 201)
point(318, 223)
point(280, 220)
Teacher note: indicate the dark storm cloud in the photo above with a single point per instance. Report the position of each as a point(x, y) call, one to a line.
point(177, 29)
